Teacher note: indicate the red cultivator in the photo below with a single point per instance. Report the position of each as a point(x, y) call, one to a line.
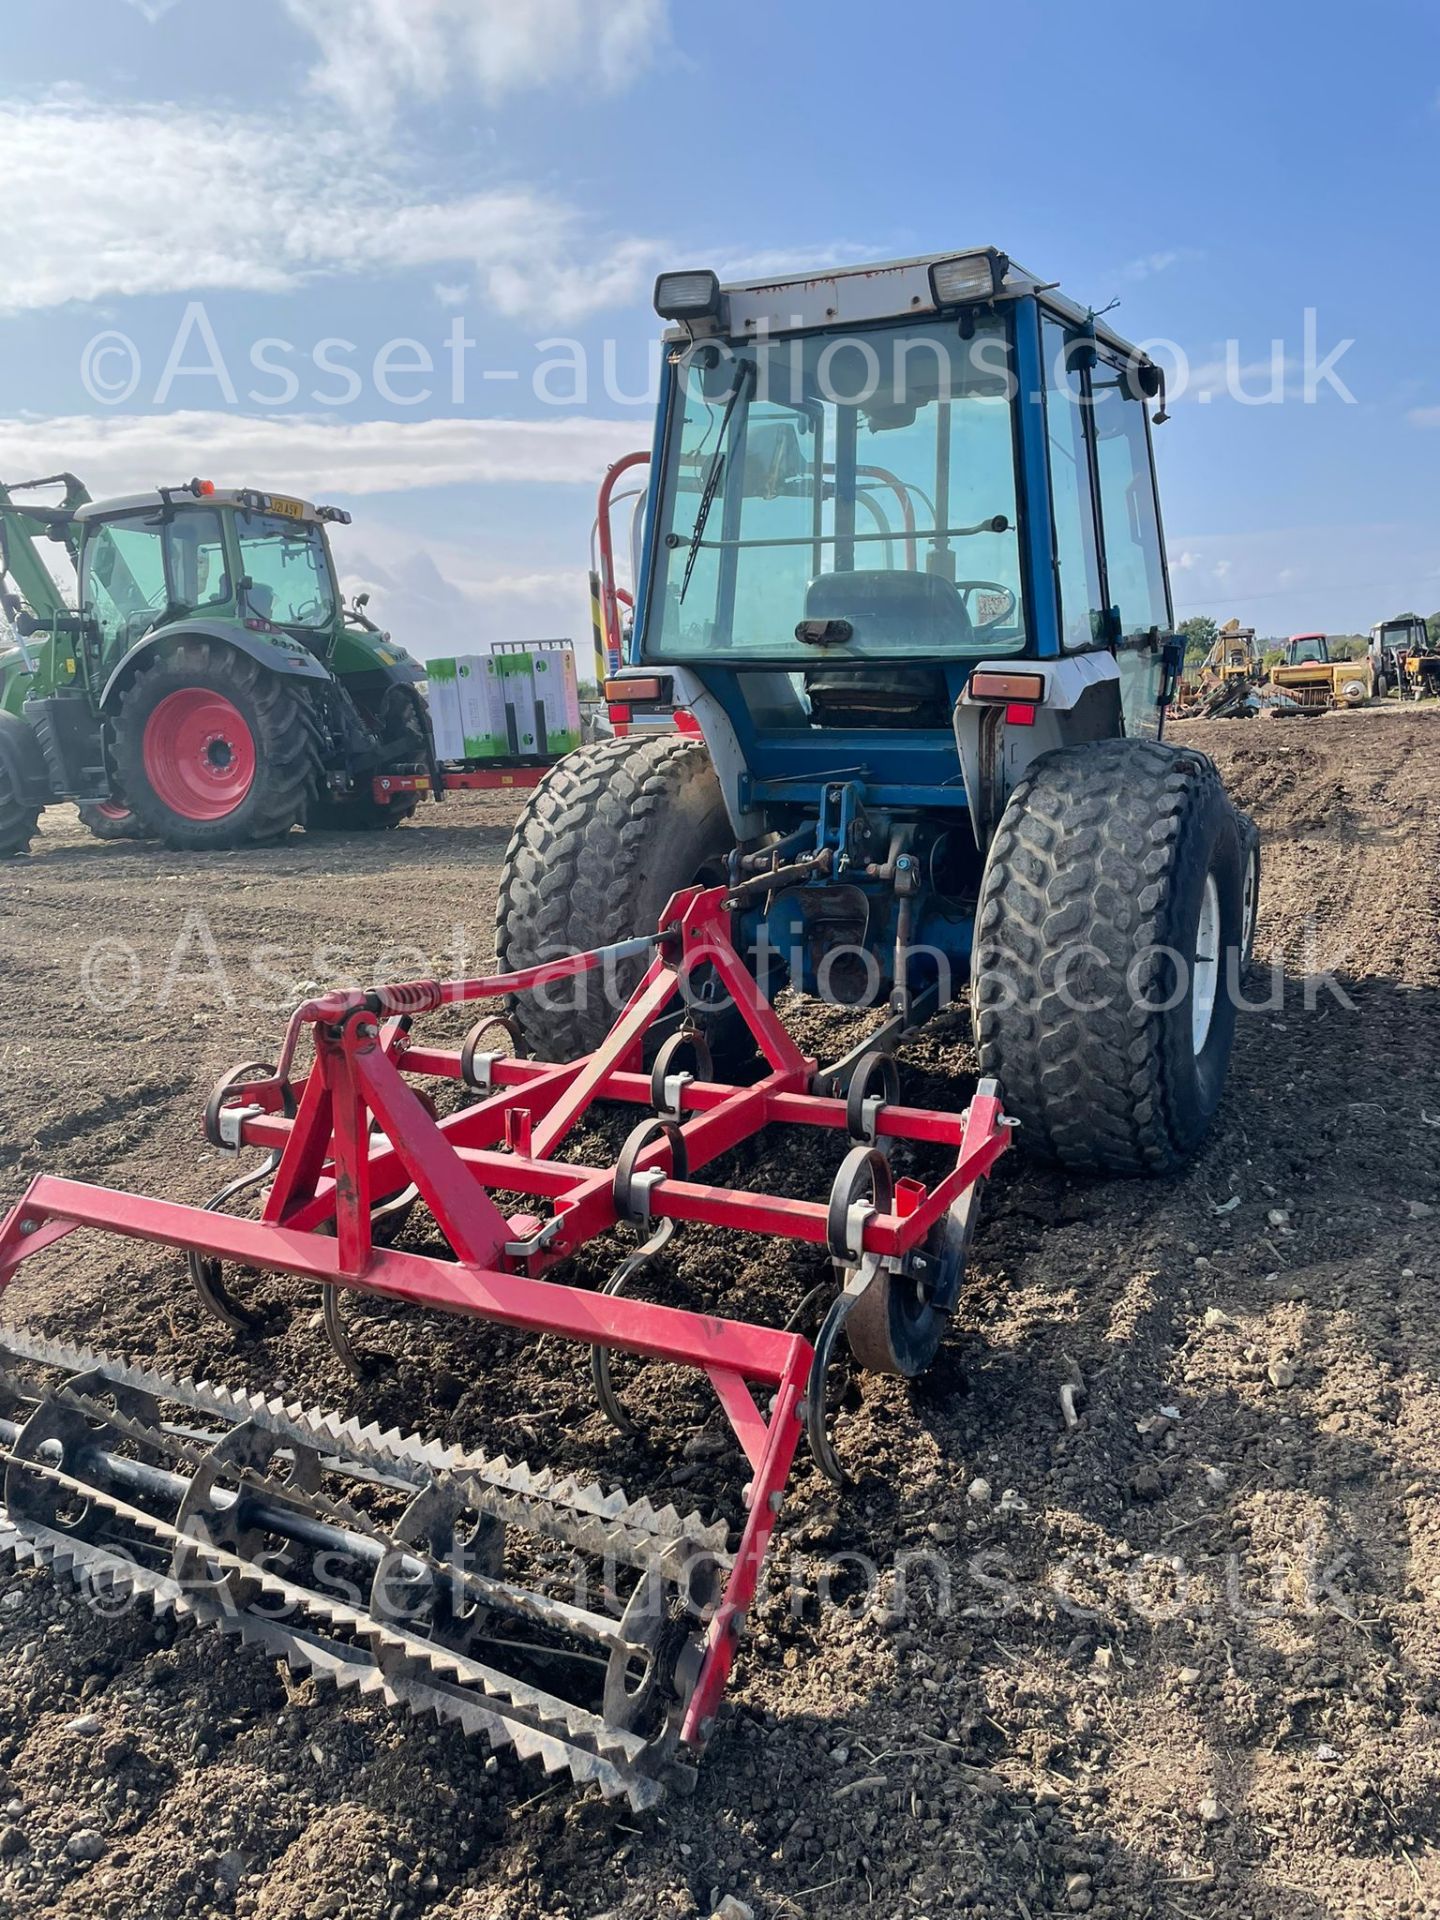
point(346, 1149)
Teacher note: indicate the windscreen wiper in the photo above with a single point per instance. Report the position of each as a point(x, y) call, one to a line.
point(744, 374)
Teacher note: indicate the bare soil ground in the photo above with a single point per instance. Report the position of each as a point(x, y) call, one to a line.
point(1180, 1660)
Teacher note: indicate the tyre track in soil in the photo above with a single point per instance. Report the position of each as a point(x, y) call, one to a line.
point(1046, 1739)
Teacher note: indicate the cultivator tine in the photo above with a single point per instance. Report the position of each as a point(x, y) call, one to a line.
point(619, 1282)
point(205, 1274)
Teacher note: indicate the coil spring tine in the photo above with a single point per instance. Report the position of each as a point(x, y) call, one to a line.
point(205, 1273)
point(618, 1282)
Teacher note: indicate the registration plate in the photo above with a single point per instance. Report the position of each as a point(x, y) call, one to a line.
point(292, 509)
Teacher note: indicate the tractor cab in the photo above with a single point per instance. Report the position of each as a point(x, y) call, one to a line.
point(261, 559)
point(903, 588)
point(875, 492)
point(1304, 649)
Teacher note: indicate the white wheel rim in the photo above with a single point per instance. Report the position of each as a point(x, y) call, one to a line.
point(1205, 976)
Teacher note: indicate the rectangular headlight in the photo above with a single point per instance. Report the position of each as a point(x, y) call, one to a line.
point(970, 276)
point(687, 296)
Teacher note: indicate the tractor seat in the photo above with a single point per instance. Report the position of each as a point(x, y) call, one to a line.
point(906, 613)
point(894, 607)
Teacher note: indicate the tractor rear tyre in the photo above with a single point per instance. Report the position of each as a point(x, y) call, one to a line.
point(108, 819)
point(19, 814)
point(607, 837)
point(213, 750)
point(1108, 936)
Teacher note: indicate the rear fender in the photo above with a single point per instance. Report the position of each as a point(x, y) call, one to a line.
point(725, 750)
point(1081, 702)
point(275, 651)
point(383, 661)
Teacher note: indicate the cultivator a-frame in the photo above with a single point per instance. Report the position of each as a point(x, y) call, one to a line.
point(407, 1568)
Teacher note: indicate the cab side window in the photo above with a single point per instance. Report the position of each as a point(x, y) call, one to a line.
point(1134, 560)
point(1072, 499)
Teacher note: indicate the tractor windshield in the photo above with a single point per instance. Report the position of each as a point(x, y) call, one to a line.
point(287, 564)
point(1312, 647)
point(860, 486)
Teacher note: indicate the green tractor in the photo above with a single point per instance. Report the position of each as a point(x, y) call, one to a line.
point(210, 688)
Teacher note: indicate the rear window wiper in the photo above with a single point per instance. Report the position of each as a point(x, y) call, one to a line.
point(744, 374)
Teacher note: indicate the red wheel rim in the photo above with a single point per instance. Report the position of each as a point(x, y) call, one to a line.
point(199, 754)
point(112, 810)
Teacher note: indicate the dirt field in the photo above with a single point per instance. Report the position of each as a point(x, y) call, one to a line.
point(1181, 1660)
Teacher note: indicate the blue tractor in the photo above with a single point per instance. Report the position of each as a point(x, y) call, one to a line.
point(904, 585)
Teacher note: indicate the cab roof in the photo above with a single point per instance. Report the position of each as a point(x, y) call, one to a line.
point(250, 499)
point(878, 290)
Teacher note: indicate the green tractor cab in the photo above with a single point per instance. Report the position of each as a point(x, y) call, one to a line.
point(210, 687)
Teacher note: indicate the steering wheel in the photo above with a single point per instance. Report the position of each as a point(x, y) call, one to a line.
point(966, 587)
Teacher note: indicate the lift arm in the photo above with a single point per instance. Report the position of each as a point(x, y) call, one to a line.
point(23, 571)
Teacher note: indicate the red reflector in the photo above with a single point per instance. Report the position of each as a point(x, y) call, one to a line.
point(685, 722)
point(619, 716)
point(1017, 715)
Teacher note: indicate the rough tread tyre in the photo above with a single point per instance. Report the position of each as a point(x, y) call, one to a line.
point(273, 706)
point(19, 815)
point(607, 837)
point(1094, 880)
point(106, 826)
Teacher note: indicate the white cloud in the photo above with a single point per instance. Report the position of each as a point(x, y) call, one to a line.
point(1150, 264)
point(786, 262)
point(1424, 416)
point(1252, 382)
point(434, 601)
point(160, 199)
point(120, 453)
point(376, 53)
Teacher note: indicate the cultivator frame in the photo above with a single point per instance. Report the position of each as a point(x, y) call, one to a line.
point(356, 1137)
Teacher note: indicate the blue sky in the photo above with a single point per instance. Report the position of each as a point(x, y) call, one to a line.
point(374, 171)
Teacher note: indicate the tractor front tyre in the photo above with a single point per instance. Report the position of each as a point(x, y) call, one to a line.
point(611, 832)
point(213, 750)
point(1109, 935)
point(108, 819)
point(19, 813)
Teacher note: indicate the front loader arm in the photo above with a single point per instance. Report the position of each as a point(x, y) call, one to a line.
point(23, 571)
